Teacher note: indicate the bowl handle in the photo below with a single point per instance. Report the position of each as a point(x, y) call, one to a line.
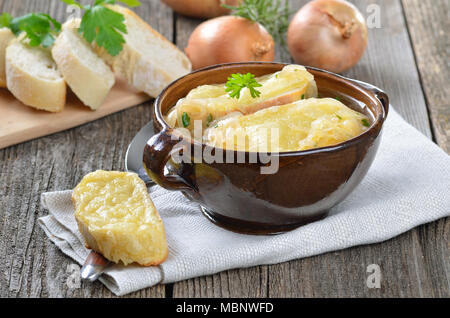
point(157, 153)
point(379, 94)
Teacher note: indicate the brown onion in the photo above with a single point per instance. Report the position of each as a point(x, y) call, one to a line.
point(201, 8)
point(329, 34)
point(229, 39)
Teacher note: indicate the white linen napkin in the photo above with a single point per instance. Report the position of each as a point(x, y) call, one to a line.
point(407, 185)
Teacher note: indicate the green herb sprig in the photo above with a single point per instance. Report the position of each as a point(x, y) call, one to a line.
point(103, 25)
point(271, 14)
point(365, 122)
point(238, 81)
point(186, 120)
point(39, 28)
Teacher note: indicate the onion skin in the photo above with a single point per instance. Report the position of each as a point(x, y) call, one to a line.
point(229, 39)
point(201, 8)
point(328, 34)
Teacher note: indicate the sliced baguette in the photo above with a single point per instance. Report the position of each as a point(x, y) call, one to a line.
point(148, 61)
point(84, 71)
point(32, 77)
point(6, 36)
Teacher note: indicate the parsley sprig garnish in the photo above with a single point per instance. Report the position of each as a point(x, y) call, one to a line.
point(238, 81)
point(39, 28)
point(271, 14)
point(103, 25)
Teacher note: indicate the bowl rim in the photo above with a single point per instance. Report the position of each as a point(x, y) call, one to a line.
point(374, 129)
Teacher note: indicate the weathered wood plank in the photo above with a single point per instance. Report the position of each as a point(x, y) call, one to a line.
point(30, 264)
point(429, 25)
point(389, 63)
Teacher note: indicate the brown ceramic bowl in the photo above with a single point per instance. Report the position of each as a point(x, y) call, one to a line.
point(308, 183)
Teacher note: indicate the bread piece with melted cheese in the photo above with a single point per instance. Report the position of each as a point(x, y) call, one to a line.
point(305, 124)
point(117, 218)
point(209, 103)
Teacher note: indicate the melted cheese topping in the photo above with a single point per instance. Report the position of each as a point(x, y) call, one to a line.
point(210, 102)
point(306, 124)
point(117, 218)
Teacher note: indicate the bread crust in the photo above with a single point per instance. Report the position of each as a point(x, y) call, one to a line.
point(37, 92)
point(6, 36)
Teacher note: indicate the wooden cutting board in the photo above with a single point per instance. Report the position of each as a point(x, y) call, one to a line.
point(19, 123)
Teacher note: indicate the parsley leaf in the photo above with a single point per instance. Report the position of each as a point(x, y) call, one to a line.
point(131, 3)
point(185, 119)
point(365, 122)
point(72, 3)
point(5, 20)
point(238, 81)
point(104, 25)
point(39, 28)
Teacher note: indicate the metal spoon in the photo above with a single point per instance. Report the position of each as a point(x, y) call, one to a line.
point(94, 266)
point(135, 152)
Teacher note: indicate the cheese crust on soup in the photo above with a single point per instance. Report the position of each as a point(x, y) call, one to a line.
point(303, 125)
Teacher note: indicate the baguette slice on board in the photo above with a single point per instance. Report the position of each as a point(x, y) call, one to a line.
point(86, 74)
point(20, 123)
point(6, 36)
point(148, 61)
point(32, 77)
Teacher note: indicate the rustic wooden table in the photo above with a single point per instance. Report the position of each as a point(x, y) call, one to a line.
point(407, 56)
